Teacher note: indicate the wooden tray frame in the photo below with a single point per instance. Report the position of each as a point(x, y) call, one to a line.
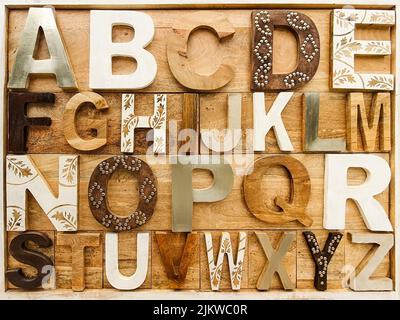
point(199, 4)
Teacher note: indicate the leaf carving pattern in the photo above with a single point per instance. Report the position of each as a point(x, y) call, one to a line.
point(380, 82)
point(346, 48)
point(156, 121)
point(129, 124)
point(382, 17)
point(69, 169)
point(377, 47)
point(15, 221)
point(345, 21)
point(66, 219)
point(343, 76)
point(128, 101)
point(19, 167)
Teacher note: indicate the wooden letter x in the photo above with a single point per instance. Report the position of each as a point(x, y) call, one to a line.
point(275, 261)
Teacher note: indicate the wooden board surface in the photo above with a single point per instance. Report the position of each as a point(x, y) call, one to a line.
point(52, 140)
point(213, 111)
point(74, 26)
point(230, 214)
point(332, 116)
point(298, 263)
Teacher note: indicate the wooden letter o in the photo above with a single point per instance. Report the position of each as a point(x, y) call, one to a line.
point(97, 193)
point(292, 210)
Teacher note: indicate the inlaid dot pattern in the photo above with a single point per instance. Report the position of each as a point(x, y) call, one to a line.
point(322, 257)
point(97, 192)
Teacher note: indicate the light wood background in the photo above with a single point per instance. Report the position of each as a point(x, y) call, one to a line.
point(229, 214)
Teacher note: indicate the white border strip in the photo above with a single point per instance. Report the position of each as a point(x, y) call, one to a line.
point(157, 294)
point(3, 115)
point(397, 154)
point(199, 3)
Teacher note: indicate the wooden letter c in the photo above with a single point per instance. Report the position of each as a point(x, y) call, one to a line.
point(177, 51)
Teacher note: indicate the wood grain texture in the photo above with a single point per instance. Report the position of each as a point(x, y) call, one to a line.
point(371, 122)
point(229, 213)
point(99, 126)
point(176, 243)
point(19, 122)
point(157, 122)
point(338, 190)
point(263, 123)
point(74, 26)
point(228, 139)
point(332, 118)
point(79, 261)
point(289, 210)
point(297, 261)
point(177, 45)
point(257, 259)
point(184, 194)
point(103, 48)
point(51, 139)
point(191, 120)
point(334, 126)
